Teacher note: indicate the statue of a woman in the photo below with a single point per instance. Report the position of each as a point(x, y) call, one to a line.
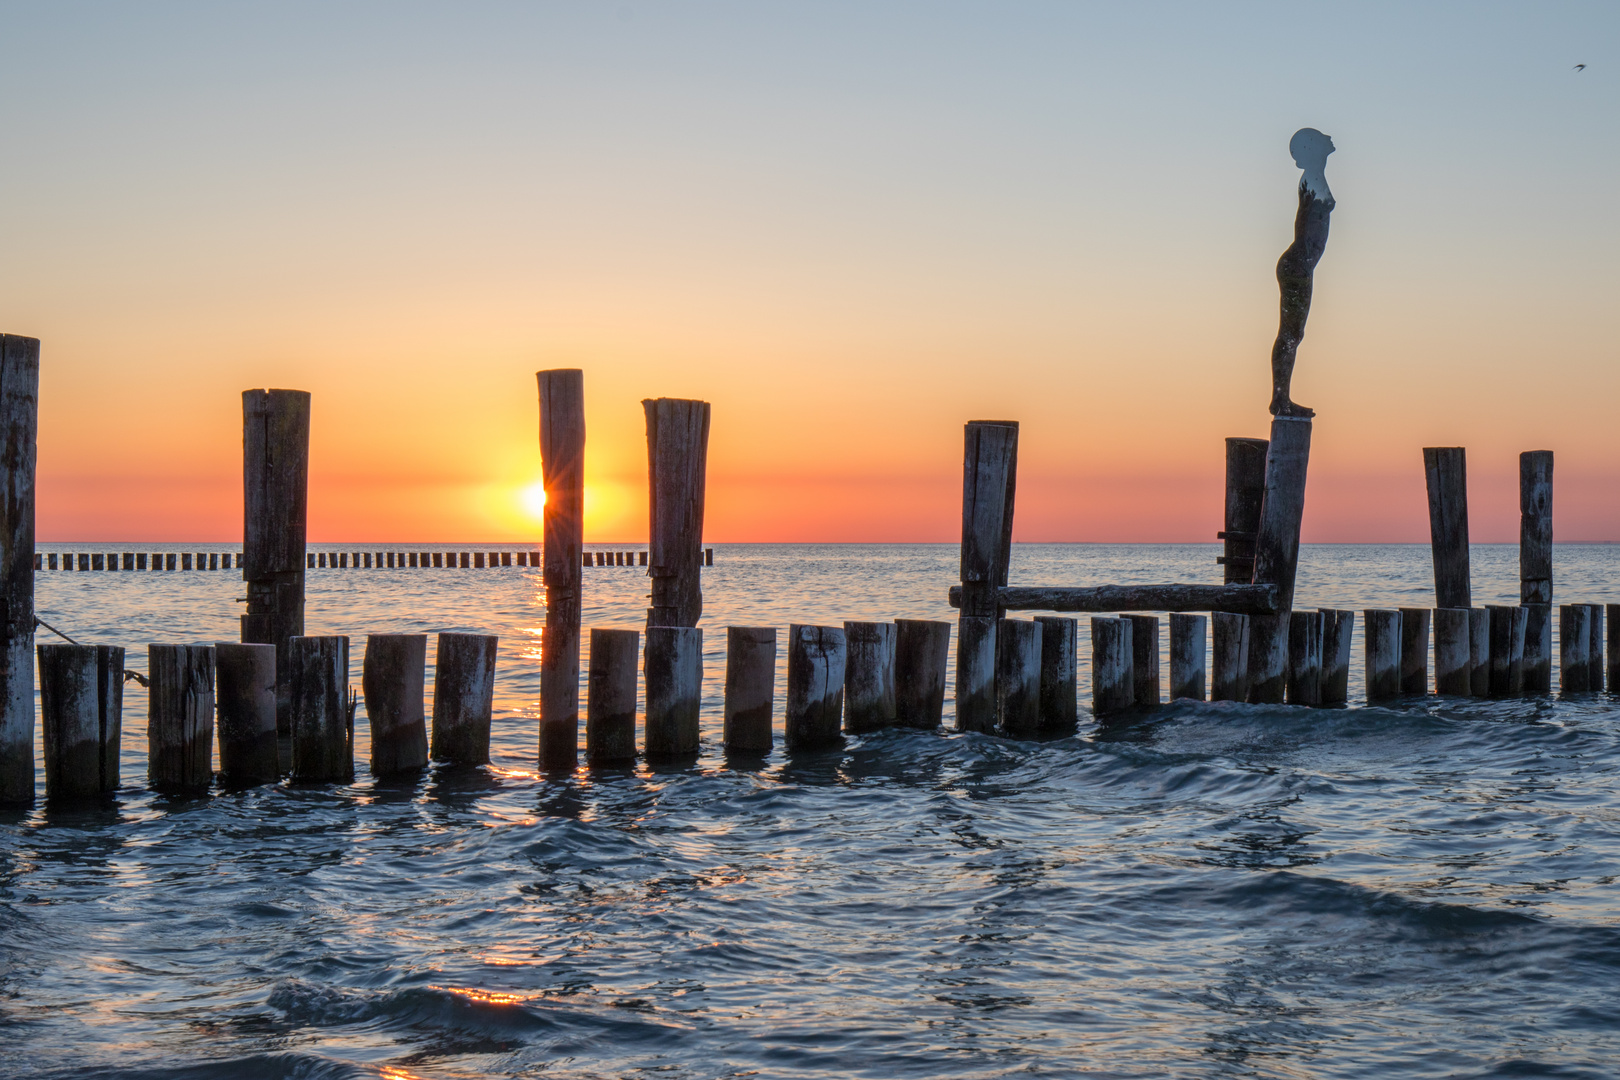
point(1310, 149)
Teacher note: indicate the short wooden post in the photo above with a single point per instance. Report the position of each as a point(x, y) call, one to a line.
point(1594, 649)
point(19, 422)
point(674, 683)
point(394, 678)
point(1574, 648)
point(1187, 641)
point(1060, 702)
point(1445, 470)
point(275, 496)
point(815, 687)
point(1479, 652)
point(1507, 649)
point(677, 457)
point(1145, 659)
point(1113, 675)
point(1414, 650)
point(1018, 676)
point(610, 696)
point(868, 676)
point(180, 717)
point(322, 720)
point(245, 691)
point(1613, 649)
point(1535, 566)
point(1382, 640)
point(99, 561)
point(989, 489)
point(463, 697)
point(750, 706)
point(1538, 620)
point(1305, 658)
point(1276, 554)
point(1453, 652)
point(562, 465)
point(1229, 648)
point(81, 698)
point(921, 655)
point(1337, 629)
point(1245, 490)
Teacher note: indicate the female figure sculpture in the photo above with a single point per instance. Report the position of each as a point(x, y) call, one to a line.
point(1310, 149)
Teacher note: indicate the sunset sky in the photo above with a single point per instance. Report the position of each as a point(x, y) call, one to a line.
point(849, 226)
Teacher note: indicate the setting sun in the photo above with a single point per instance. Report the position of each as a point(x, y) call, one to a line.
point(533, 498)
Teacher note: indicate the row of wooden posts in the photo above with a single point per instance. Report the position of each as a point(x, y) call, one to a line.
point(341, 560)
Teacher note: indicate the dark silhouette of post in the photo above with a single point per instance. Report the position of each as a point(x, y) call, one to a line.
point(19, 424)
point(1276, 555)
point(1305, 658)
point(275, 499)
point(322, 723)
point(1453, 652)
point(1245, 489)
point(1229, 650)
point(1060, 701)
point(562, 464)
point(677, 458)
point(989, 488)
point(1535, 566)
point(245, 694)
point(1445, 472)
point(1018, 676)
point(463, 697)
point(1382, 636)
point(1337, 627)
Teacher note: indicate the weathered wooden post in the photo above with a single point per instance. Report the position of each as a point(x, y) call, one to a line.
point(1445, 471)
point(322, 720)
point(19, 424)
point(463, 697)
point(1382, 638)
point(1113, 675)
point(1574, 648)
point(1187, 640)
point(1414, 650)
point(610, 696)
point(989, 487)
point(245, 692)
point(1018, 676)
point(1245, 490)
point(868, 676)
point(180, 717)
point(562, 465)
point(815, 687)
point(673, 673)
point(1507, 649)
point(1453, 652)
point(1337, 628)
point(1613, 651)
point(750, 705)
point(1276, 554)
point(81, 699)
point(393, 678)
point(1230, 656)
point(677, 456)
point(921, 654)
point(275, 497)
point(1145, 659)
point(1535, 566)
point(1594, 648)
point(1305, 658)
point(1479, 652)
point(1060, 701)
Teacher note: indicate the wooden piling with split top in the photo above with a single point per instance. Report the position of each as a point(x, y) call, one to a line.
point(19, 423)
point(245, 695)
point(1060, 702)
point(869, 702)
point(921, 654)
point(750, 705)
point(562, 464)
point(815, 687)
point(1018, 677)
point(610, 696)
point(463, 697)
point(1229, 655)
point(275, 498)
point(394, 680)
point(989, 489)
point(1382, 641)
point(1276, 556)
point(180, 717)
point(81, 698)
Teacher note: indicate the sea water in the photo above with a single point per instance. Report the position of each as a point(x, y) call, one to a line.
point(1423, 888)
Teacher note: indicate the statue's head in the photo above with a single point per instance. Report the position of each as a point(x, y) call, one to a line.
point(1310, 149)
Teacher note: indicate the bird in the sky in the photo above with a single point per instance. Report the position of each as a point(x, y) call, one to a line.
point(1580, 67)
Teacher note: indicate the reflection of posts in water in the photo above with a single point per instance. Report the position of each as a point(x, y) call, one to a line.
point(1310, 149)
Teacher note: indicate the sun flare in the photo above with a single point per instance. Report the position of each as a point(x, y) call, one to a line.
point(533, 498)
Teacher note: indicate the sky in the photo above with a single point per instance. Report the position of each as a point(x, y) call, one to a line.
point(850, 227)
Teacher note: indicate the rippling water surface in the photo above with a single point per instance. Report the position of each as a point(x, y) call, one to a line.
point(1424, 889)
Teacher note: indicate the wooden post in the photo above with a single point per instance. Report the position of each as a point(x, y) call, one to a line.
point(275, 496)
point(750, 706)
point(674, 683)
point(1188, 635)
point(1230, 656)
point(868, 676)
point(1574, 645)
point(1337, 628)
point(245, 691)
point(1453, 652)
point(1113, 675)
point(1245, 490)
point(1276, 554)
point(463, 697)
point(1018, 676)
point(562, 466)
point(81, 698)
point(1479, 652)
point(1507, 649)
point(1305, 658)
point(1414, 650)
point(393, 679)
point(19, 423)
point(989, 488)
point(677, 457)
point(1535, 566)
point(610, 696)
point(1594, 649)
point(322, 722)
point(1613, 653)
point(1060, 703)
point(1537, 648)
point(815, 687)
point(1382, 638)
point(921, 654)
point(1445, 470)
point(1145, 659)
point(180, 717)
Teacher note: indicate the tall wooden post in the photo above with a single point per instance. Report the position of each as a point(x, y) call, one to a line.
point(989, 483)
point(562, 464)
point(1276, 554)
point(1245, 490)
point(1445, 471)
point(275, 498)
point(19, 423)
point(1535, 566)
point(677, 457)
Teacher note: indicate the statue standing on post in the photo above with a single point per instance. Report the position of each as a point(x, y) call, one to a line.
point(1310, 149)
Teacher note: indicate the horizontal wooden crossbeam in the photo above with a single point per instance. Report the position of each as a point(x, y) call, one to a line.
point(1239, 599)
